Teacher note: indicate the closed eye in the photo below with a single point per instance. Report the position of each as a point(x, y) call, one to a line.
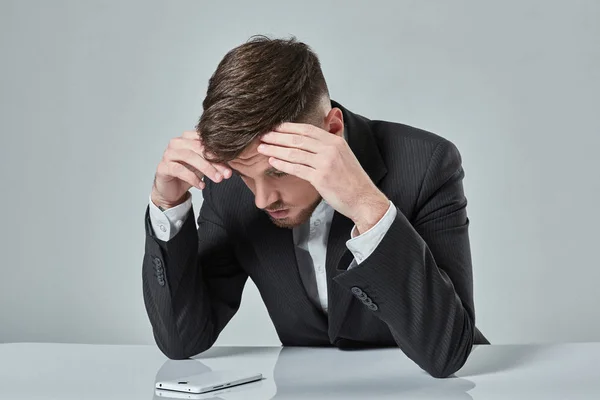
point(270, 172)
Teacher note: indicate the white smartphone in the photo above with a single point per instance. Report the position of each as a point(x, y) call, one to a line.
point(209, 381)
point(248, 391)
point(170, 394)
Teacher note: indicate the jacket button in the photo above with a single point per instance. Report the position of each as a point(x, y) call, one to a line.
point(373, 307)
point(356, 291)
point(156, 261)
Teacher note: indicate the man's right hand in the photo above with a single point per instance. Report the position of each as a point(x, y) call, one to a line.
point(183, 166)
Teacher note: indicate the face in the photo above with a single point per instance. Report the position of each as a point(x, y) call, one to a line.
point(289, 201)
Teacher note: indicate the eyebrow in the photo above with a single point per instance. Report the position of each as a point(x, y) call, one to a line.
point(268, 171)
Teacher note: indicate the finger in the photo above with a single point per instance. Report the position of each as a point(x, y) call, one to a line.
point(299, 170)
point(191, 135)
point(224, 169)
point(193, 142)
point(194, 170)
point(227, 173)
point(195, 145)
point(289, 154)
point(195, 160)
point(175, 169)
point(302, 129)
point(293, 140)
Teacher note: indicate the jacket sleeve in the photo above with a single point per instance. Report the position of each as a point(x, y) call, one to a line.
point(420, 275)
point(192, 284)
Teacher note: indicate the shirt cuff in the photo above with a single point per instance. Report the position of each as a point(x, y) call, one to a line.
point(166, 224)
point(362, 246)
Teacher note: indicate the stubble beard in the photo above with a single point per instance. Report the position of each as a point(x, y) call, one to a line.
point(302, 217)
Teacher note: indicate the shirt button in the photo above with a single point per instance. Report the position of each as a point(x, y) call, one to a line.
point(318, 222)
point(162, 228)
point(178, 224)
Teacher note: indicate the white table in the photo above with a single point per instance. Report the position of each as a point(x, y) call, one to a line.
point(72, 371)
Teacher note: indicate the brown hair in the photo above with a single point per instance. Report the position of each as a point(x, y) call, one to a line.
point(257, 86)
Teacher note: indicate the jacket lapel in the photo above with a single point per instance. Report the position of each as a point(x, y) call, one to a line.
point(338, 257)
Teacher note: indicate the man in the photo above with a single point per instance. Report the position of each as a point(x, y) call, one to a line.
point(354, 231)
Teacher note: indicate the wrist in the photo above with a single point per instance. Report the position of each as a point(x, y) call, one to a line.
point(370, 211)
point(163, 205)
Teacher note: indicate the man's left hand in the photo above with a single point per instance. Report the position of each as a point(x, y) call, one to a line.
point(327, 162)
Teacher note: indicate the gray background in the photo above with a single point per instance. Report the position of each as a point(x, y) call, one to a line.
point(92, 92)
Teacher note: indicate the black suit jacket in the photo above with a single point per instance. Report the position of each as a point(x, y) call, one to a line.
point(415, 291)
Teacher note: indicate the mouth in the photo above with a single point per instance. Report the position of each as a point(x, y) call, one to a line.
point(278, 214)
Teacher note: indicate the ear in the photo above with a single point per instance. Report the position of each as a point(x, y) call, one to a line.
point(334, 122)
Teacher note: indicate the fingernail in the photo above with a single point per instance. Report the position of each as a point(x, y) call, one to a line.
point(218, 176)
point(261, 147)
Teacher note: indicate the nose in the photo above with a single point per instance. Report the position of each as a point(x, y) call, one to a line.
point(264, 195)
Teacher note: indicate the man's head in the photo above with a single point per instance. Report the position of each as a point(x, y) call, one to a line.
point(256, 87)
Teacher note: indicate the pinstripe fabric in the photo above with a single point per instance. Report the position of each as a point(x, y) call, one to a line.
point(420, 275)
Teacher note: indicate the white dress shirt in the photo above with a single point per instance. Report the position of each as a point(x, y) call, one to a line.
point(168, 223)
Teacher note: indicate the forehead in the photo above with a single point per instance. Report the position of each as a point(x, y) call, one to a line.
point(249, 158)
point(251, 161)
